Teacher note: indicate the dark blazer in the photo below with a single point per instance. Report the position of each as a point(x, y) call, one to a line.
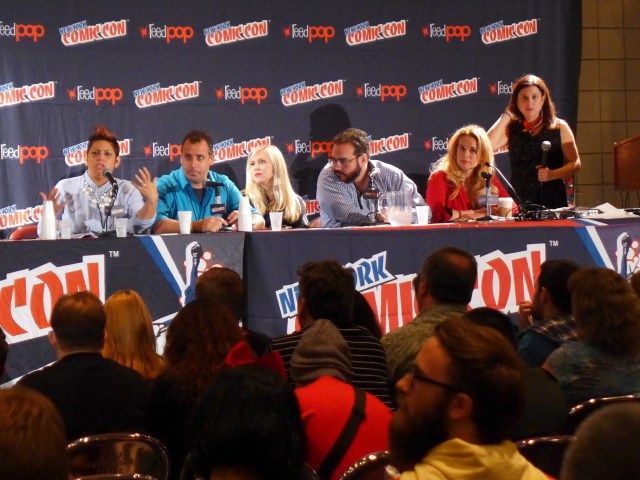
point(93, 394)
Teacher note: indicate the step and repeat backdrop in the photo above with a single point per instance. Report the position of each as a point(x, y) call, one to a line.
point(285, 72)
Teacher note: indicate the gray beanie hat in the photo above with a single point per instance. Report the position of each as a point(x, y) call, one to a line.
point(322, 350)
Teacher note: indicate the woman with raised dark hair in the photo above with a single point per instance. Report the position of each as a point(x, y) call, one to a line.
point(526, 124)
point(605, 361)
point(90, 201)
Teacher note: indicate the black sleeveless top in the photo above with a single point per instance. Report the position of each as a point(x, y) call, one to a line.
point(525, 152)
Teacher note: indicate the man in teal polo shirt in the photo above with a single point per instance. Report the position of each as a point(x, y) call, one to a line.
point(212, 207)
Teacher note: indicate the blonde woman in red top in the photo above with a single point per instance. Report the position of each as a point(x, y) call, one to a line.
point(456, 184)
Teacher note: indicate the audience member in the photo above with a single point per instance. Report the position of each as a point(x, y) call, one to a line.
point(247, 427)
point(269, 189)
point(197, 348)
point(456, 405)
point(528, 121)
point(32, 438)
point(85, 200)
point(605, 445)
point(130, 340)
point(93, 394)
point(456, 187)
point(443, 287)
point(342, 183)
point(326, 291)
point(321, 369)
point(186, 189)
point(605, 361)
point(545, 407)
point(223, 285)
point(364, 316)
point(546, 320)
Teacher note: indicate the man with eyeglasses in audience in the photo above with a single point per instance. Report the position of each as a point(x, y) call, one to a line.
point(350, 184)
point(456, 404)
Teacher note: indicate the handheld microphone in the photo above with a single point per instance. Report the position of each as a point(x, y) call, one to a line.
point(212, 184)
point(375, 171)
point(546, 145)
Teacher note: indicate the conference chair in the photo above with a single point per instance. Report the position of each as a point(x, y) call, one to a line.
point(25, 232)
point(127, 454)
point(546, 453)
point(581, 411)
point(371, 467)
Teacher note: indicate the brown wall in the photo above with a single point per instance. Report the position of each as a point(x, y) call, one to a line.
point(609, 96)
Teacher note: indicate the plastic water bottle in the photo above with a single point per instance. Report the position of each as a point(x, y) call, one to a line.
point(244, 215)
point(48, 221)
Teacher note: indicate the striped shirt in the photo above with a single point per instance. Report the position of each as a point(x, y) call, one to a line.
point(368, 360)
point(342, 206)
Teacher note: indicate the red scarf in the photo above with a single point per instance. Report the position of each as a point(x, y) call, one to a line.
point(528, 127)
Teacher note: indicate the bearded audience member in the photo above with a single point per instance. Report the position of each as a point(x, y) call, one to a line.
point(456, 404)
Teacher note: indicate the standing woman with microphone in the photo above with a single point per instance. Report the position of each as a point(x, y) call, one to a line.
point(92, 200)
point(526, 124)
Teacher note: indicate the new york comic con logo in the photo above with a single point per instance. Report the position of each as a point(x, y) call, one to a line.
point(309, 33)
point(389, 144)
point(12, 95)
point(181, 33)
point(153, 95)
point(24, 152)
point(11, 217)
point(301, 93)
point(499, 32)
point(242, 94)
point(29, 295)
point(224, 33)
point(448, 32)
point(21, 30)
point(438, 91)
point(383, 92)
point(365, 33)
point(77, 154)
point(504, 280)
point(81, 32)
point(231, 150)
point(95, 95)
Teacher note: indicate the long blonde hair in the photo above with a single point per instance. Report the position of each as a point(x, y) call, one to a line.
point(449, 165)
point(130, 340)
point(284, 198)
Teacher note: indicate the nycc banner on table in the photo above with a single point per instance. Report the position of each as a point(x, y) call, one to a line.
point(163, 270)
point(385, 261)
point(285, 72)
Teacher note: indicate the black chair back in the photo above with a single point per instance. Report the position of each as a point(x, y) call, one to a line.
point(374, 466)
point(108, 455)
point(546, 453)
point(581, 411)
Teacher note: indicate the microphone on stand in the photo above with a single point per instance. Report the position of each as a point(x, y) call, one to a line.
point(508, 187)
point(218, 200)
point(108, 174)
point(371, 195)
